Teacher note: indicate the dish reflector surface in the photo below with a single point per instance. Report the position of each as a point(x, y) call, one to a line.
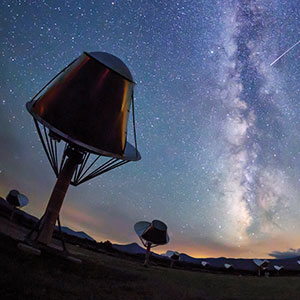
point(112, 62)
point(261, 262)
point(88, 104)
point(227, 266)
point(23, 200)
point(140, 227)
point(16, 199)
point(154, 232)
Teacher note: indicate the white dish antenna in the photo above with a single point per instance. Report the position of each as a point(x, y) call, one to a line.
point(278, 268)
point(175, 257)
point(170, 254)
point(228, 266)
point(262, 263)
point(204, 263)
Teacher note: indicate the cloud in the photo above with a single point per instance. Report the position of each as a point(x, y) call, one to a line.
point(285, 254)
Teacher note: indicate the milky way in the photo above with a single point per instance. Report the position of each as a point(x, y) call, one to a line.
point(217, 126)
point(255, 191)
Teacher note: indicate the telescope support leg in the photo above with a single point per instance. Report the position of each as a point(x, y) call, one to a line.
point(56, 200)
point(147, 255)
point(62, 236)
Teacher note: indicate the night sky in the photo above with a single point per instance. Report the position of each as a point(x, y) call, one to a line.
point(217, 126)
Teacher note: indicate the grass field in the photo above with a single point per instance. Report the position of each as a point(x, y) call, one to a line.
point(103, 276)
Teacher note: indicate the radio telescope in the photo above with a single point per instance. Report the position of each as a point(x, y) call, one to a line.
point(85, 108)
point(278, 268)
point(15, 199)
point(204, 263)
point(174, 258)
point(262, 264)
point(228, 266)
point(151, 235)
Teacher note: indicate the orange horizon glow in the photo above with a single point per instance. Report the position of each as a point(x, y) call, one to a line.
point(74, 216)
point(79, 220)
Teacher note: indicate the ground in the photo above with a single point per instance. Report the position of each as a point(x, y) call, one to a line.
point(107, 276)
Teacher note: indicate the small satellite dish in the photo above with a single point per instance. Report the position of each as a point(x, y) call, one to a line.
point(151, 235)
point(174, 258)
point(278, 268)
point(16, 199)
point(261, 264)
point(228, 266)
point(204, 263)
point(258, 262)
point(168, 254)
point(265, 264)
point(12, 198)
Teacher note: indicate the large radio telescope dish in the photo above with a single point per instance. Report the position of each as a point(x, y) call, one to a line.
point(85, 107)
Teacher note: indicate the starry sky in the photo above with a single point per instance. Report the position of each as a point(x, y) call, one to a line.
point(217, 126)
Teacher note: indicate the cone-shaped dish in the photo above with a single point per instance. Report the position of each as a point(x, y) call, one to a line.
point(16, 199)
point(154, 232)
point(88, 103)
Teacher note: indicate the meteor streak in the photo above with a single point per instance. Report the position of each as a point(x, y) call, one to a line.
point(288, 50)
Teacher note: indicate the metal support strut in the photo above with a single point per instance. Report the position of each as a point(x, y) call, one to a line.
point(58, 194)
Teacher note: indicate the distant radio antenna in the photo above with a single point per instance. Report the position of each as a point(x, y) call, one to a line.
point(278, 268)
point(86, 108)
point(174, 258)
point(262, 264)
point(151, 235)
point(228, 266)
point(16, 199)
point(204, 264)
